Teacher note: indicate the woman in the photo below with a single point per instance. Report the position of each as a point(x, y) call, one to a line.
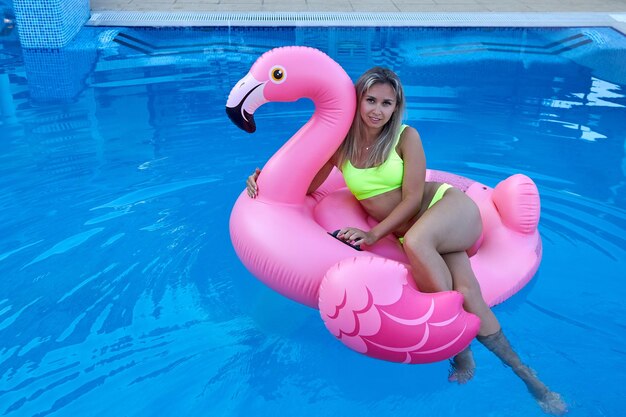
point(384, 166)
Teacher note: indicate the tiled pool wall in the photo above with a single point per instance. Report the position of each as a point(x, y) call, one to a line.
point(49, 23)
point(56, 54)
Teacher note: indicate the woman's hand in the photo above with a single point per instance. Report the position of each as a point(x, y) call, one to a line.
point(251, 186)
point(357, 236)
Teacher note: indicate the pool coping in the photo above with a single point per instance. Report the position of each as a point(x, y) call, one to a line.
point(615, 20)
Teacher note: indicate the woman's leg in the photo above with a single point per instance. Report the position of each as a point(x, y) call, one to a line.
point(492, 337)
point(463, 365)
point(550, 401)
point(465, 282)
point(453, 224)
point(449, 228)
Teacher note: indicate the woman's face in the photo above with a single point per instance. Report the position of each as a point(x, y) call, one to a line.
point(377, 105)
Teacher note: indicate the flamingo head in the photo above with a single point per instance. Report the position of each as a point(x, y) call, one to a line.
point(285, 74)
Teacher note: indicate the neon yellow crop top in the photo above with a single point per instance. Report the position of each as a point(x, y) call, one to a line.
point(369, 182)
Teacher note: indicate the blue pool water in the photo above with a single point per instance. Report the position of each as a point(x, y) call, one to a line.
point(121, 295)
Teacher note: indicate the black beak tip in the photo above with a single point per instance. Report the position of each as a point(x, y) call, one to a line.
point(235, 115)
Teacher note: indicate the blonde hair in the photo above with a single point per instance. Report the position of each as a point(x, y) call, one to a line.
point(349, 150)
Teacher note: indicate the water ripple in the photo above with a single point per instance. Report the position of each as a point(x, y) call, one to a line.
point(11, 319)
point(154, 191)
point(66, 244)
point(581, 220)
point(117, 200)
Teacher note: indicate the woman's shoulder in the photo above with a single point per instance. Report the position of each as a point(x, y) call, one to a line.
point(410, 143)
point(408, 128)
point(409, 133)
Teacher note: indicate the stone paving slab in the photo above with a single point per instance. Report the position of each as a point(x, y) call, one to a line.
point(518, 13)
point(611, 6)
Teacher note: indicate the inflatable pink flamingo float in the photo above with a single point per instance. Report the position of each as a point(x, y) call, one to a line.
point(367, 299)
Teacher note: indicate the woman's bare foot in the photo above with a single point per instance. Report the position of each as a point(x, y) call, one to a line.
point(552, 403)
point(462, 367)
point(549, 401)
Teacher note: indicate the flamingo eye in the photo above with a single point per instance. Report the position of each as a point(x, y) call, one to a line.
point(278, 74)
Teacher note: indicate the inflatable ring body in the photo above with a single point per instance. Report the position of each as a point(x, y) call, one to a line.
point(367, 299)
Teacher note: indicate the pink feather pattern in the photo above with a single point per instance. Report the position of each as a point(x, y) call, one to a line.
point(373, 306)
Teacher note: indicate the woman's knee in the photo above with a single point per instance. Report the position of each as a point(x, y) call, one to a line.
point(418, 243)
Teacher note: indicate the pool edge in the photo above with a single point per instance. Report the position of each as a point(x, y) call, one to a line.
point(615, 20)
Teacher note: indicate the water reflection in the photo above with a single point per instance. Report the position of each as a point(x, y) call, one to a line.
point(7, 18)
point(58, 75)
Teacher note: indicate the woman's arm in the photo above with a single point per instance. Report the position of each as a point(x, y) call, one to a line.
point(413, 182)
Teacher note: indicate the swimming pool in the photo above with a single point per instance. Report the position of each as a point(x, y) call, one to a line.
point(121, 294)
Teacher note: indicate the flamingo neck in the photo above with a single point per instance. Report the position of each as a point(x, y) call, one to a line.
point(289, 172)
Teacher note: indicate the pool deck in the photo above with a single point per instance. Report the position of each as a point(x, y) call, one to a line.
point(440, 6)
point(459, 13)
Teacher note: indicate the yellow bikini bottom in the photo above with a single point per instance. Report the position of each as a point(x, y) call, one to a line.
point(441, 190)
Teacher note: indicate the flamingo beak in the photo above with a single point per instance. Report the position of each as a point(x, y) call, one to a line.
point(241, 118)
point(244, 99)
